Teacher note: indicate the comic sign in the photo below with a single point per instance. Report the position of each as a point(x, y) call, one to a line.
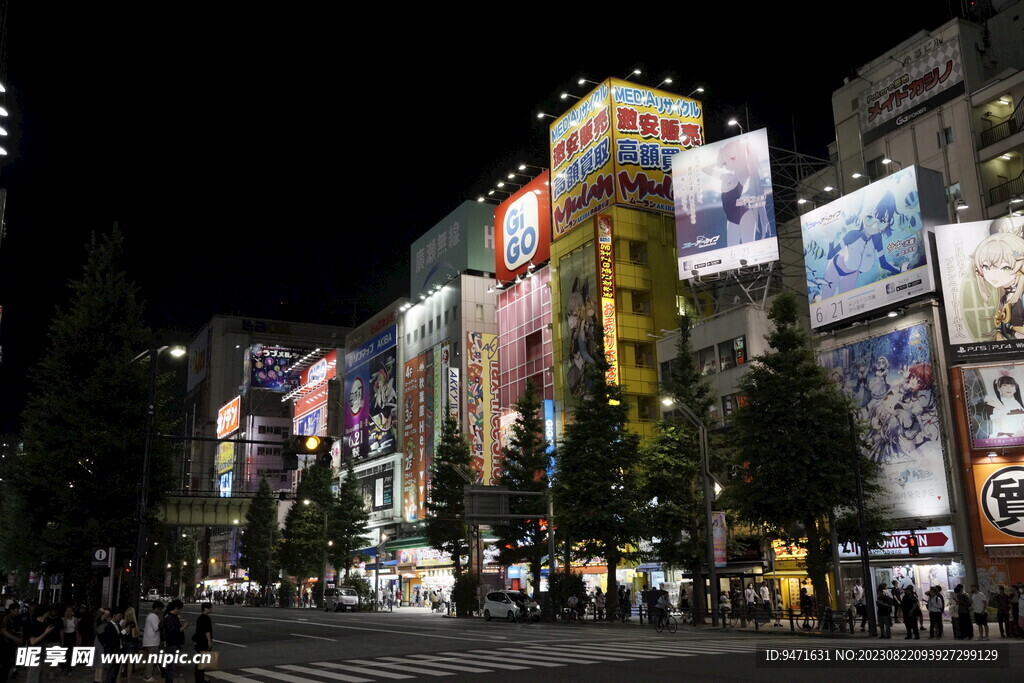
point(893, 387)
point(616, 147)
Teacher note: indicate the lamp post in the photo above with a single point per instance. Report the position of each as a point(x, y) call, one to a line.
point(376, 574)
point(143, 501)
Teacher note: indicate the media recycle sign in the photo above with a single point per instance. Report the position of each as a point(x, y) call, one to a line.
point(1002, 499)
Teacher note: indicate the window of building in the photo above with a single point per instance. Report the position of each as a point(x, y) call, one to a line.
point(480, 312)
point(732, 353)
point(638, 252)
point(646, 408)
point(408, 338)
point(455, 312)
point(641, 302)
point(416, 335)
point(423, 331)
point(534, 346)
point(707, 362)
point(944, 136)
point(430, 326)
point(437, 323)
point(643, 355)
point(730, 403)
point(446, 316)
point(875, 168)
point(953, 193)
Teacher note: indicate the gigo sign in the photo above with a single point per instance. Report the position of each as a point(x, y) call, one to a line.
point(524, 229)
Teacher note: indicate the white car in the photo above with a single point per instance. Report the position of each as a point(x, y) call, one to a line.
point(508, 604)
point(343, 598)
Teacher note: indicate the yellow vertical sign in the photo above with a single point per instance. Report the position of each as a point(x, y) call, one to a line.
point(606, 290)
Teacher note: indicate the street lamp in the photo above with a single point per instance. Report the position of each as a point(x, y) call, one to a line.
point(176, 351)
point(734, 122)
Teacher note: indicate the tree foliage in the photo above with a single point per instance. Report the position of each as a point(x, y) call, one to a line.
point(259, 536)
point(85, 422)
point(446, 528)
point(524, 468)
point(796, 456)
point(304, 538)
point(595, 482)
point(347, 523)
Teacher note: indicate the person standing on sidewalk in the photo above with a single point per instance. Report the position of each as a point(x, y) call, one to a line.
point(203, 637)
point(1001, 600)
point(936, 606)
point(964, 630)
point(911, 613)
point(174, 635)
point(859, 604)
point(151, 637)
point(979, 604)
point(884, 603)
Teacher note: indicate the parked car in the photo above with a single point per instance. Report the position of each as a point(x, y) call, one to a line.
point(341, 598)
point(508, 604)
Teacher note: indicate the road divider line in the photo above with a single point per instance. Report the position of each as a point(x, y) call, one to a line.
point(224, 642)
point(302, 635)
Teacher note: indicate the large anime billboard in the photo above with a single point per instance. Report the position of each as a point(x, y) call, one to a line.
point(982, 269)
point(893, 387)
point(995, 408)
point(725, 211)
point(867, 250)
point(581, 327)
point(270, 367)
point(371, 397)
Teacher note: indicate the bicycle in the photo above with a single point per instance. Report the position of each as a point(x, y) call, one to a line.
point(666, 620)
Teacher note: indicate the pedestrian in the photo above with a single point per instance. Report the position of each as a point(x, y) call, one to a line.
point(69, 636)
point(203, 637)
point(897, 592)
point(962, 628)
point(174, 635)
point(151, 637)
point(1014, 610)
point(10, 638)
point(107, 642)
point(979, 605)
point(911, 606)
point(724, 607)
point(936, 606)
point(625, 604)
point(766, 594)
point(131, 643)
point(599, 604)
point(1001, 600)
point(39, 629)
point(572, 603)
point(750, 598)
point(684, 600)
point(884, 603)
point(806, 606)
point(859, 604)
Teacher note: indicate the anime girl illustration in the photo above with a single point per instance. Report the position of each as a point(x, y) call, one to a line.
point(582, 323)
point(742, 192)
point(999, 263)
point(1007, 407)
point(385, 401)
point(861, 249)
point(916, 409)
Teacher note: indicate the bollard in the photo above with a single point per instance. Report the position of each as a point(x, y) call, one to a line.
point(792, 625)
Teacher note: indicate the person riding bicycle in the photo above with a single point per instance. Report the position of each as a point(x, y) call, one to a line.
point(573, 602)
point(661, 607)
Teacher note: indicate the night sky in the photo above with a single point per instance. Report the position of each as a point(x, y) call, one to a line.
point(264, 164)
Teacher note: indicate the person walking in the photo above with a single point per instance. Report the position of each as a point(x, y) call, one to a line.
point(69, 636)
point(911, 613)
point(979, 605)
point(174, 635)
point(859, 604)
point(1001, 601)
point(599, 604)
point(884, 603)
point(36, 633)
point(963, 630)
point(151, 637)
point(203, 637)
point(936, 606)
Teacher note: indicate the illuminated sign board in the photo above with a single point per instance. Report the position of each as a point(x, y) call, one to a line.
point(933, 539)
point(418, 434)
point(228, 417)
point(482, 375)
point(225, 457)
point(523, 229)
point(270, 367)
point(606, 291)
point(371, 397)
point(224, 484)
point(1000, 489)
point(615, 146)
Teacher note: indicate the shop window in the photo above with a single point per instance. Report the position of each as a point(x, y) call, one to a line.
point(643, 355)
point(732, 353)
point(707, 361)
point(638, 252)
point(534, 346)
point(641, 302)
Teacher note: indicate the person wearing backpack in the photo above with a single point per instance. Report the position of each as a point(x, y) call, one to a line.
point(936, 606)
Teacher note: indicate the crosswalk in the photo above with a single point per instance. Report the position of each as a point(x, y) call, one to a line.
point(492, 661)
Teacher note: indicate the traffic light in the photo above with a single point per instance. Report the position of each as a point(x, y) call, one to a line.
point(320, 446)
point(912, 546)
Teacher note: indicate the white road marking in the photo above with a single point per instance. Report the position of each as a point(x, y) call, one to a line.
point(224, 642)
point(324, 674)
point(231, 678)
point(443, 665)
point(409, 669)
point(301, 635)
point(492, 665)
point(276, 676)
point(220, 623)
point(361, 670)
point(519, 658)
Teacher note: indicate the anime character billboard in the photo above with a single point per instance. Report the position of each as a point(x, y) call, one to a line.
point(867, 250)
point(893, 387)
point(371, 397)
point(982, 269)
point(995, 408)
point(725, 211)
point(581, 328)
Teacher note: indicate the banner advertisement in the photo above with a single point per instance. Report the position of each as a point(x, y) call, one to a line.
point(616, 146)
point(452, 386)
point(270, 367)
point(322, 370)
point(481, 406)
point(982, 269)
point(919, 87)
point(577, 273)
point(228, 417)
point(719, 537)
point(994, 406)
point(224, 485)
point(1000, 489)
point(225, 457)
point(419, 431)
point(371, 397)
point(441, 358)
point(463, 240)
point(522, 228)
point(893, 386)
point(378, 490)
point(866, 250)
point(930, 540)
point(606, 288)
point(312, 423)
point(724, 206)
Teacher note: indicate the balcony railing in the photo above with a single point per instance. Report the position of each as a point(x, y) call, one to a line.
point(1005, 129)
point(1002, 193)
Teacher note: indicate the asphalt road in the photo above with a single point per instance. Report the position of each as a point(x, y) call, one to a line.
point(259, 645)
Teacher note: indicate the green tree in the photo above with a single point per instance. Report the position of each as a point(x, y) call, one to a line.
point(304, 539)
point(595, 482)
point(259, 536)
point(446, 528)
point(524, 468)
point(347, 523)
point(794, 447)
point(670, 473)
point(85, 422)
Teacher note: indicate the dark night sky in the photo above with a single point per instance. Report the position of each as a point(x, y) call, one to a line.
point(265, 164)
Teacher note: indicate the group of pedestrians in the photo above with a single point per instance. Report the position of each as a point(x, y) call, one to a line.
point(970, 610)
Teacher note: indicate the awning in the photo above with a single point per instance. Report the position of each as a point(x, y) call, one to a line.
point(785, 574)
point(407, 543)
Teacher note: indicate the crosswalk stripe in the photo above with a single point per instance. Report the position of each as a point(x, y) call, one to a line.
point(361, 670)
point(442, 665)
point(490, 665)
point(555, 657)
point(590, 655)
point(599, 649)
point(277, 676)
point(231, 678)
point(324, 674)
point(408, 669)
point(519, 657)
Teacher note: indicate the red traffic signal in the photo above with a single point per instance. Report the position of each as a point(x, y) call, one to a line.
point(912, 546)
